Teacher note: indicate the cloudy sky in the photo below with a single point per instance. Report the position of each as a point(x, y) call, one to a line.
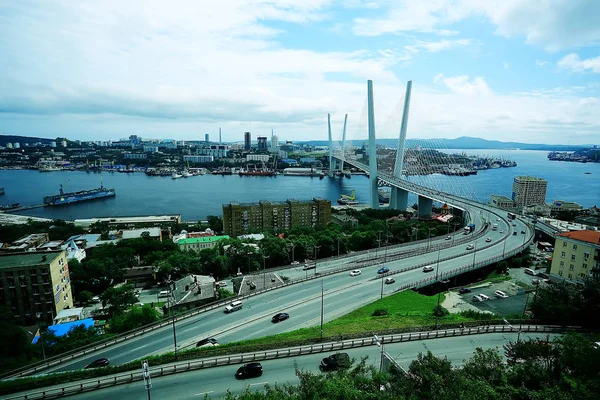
point(518, 70)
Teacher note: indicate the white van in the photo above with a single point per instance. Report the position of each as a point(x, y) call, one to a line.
point(500, 294)
point(164, 293)
point(484, 297)
point(236, 305)
point(428, 268)
point(529, 271)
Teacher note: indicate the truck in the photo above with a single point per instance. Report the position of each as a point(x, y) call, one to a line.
point(494, 227)
point(469, 229)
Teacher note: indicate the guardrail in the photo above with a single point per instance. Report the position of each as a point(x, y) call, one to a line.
point(96, 384)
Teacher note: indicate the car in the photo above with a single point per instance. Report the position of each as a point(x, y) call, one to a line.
point(356, 272)
point(210, 342)
point(477, 298)
point(497, 219)
point(535, 281)
point(514, 233)
point(464, 290)
point(101, 362)
point(250, 370)
point(514, 224)
point(470, 247)
point(96, 299)
point(295, 263)
point(501, 230)
point(221, 284)
point(489, 239)
point(336, 361)
point(483, 297)
point(523, 232)
point(383, 270)
point(500, 294)
point(428, 268)
point(389, 281)
point(448, 237)
point(309, 266)
point(280, 317)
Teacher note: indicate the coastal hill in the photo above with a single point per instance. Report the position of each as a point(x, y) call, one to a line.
point(465, 142)
point(4, 139)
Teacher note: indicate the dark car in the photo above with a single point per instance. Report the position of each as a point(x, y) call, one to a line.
point(464, 290)
point(523, 232)
point(514, 233)
point(383, 270)
point(207, 343)
point(336, 361)
point(101, 362)
point(250, 370)
point(280, 317)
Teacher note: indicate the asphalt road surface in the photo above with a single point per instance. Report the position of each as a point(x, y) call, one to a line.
point(215, 382)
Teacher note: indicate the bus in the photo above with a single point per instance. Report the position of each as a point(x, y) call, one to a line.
point(511, 216)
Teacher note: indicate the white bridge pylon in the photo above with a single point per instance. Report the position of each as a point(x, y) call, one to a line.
point(332, 160)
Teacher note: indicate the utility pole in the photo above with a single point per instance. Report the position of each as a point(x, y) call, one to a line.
point(264, 271)
point(474, 252)
point(173, 319)
point(322, 307)
point(316, 254)
point(147, 378)
point(437, 269)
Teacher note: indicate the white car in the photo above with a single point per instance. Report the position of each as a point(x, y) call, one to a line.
point(477, 298)
point(501, 230)
point(497, 219)
point(389, 281)
point(222, 284)
point(295, 262)
point(448, 237)
point(95, 299)
point(356, 272)
point(488, 239)
point(428, 268)
point(470, 247)
point(484, 297)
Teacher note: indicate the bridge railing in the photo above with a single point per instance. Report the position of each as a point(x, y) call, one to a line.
point(182, 367)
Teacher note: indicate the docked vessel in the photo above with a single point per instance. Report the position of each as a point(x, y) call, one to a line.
point(257, 172)
point(9, 206)
point(346, 200)
point(75, 197)
point(176, 175)
point(459, 172)
point(187, 174)
point(49, 168)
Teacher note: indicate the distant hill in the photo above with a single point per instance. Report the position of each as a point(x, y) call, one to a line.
point(4, 139)
point(465, 142)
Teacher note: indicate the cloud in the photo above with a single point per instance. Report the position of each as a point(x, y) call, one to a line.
point(442, 45)
point(465, 86)
point(573, 63)
point(506, 65)
point(540, 63)
point(552, 24)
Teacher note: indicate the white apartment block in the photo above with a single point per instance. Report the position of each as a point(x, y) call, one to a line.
point(529, 190)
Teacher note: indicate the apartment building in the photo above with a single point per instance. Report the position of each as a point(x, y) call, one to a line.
point(576, 255)
point(242, 218)
point(35, 286)
point(529, 190)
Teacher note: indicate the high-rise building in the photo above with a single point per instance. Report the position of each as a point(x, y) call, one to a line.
point(247, 140)
point(242, 218)
point(274, 142)
point(206, 138)
point(262, 143)
point(35, 285)
point(220, 138)
point(529, 190)
point(576, 255)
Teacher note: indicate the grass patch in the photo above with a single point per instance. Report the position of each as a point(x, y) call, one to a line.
point(495, 277)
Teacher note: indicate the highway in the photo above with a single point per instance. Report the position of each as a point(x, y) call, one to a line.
point(342, 294)
point(215, 382)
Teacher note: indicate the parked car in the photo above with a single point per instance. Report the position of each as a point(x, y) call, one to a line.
point(500, 294)
point(222, 284)
point(470, 247)
point(428, 268)
point(250, 370)
point(464, 290)
point(355, 272)
point(489, 239)
point(210, 342)
point(483, 297)
point(309, 266)
point(336, 361)
point(295, 262)
point(535, 281)
point(523, 232)
point(96, 299)
point(101, 362)
point(477, 298)
point(514, 233)
point(280, 317)
point(514, 224)
point(383, 270)
point(389, 281)
point(448, 237)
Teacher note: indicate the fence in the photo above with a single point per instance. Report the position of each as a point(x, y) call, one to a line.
point(95, 384)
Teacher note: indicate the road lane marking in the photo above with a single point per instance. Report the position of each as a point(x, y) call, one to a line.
point(259, 383)
point(203, 393)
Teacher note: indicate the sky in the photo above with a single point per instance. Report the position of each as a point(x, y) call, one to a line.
point(510, 70)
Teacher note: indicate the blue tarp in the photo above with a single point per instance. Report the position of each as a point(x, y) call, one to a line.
point(63, 329)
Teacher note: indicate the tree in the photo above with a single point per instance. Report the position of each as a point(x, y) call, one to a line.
point(134, 318)
point(118, 299)
point(215, 223)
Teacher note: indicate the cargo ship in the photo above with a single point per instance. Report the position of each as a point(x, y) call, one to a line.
point(256, 173)
point(75, 197)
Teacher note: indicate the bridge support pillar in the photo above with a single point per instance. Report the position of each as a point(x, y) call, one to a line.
point(399, 199)
point(373, 189)
point(425, 206)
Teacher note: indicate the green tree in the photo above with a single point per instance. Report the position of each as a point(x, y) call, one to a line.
point(134, 318)
point(118, 299)
point(215, 223)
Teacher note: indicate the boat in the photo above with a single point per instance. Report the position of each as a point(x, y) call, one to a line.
point(74, 197)
point(347, 174)
point(322, 175)
point(264, 171)
point(187, 174)
point(586, 173)
point(126, 170)
point(348, 200)
point(49, 168)
point(176, 175)
point(459, 172)
point(9, 206)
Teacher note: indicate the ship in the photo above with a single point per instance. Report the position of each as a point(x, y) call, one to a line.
point(75, 197)
point(176, 175)
point(187, 174)
point(459, 172)
point(49, 168)
point(347, 174)
point(9, 207)
point(346, 200)
point(256, 172)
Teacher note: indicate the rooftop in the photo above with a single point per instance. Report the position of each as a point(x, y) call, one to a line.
point(583, 236)
point(529, 178)
point(206, 239)
point(16, 260)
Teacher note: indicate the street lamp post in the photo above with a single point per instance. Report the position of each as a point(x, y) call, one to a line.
point(379, 343)
point(316, 254)
point(512, 327)
point(474, 253)
point(338, 240)
point(172, 298)
point(264, 271)
point(437, 269)
point(504, 247)
point(378, 243)
point(38, 315)
point(322, 307)
point(428, 239)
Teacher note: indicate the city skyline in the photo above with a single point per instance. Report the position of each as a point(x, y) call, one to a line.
point(511, 72)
